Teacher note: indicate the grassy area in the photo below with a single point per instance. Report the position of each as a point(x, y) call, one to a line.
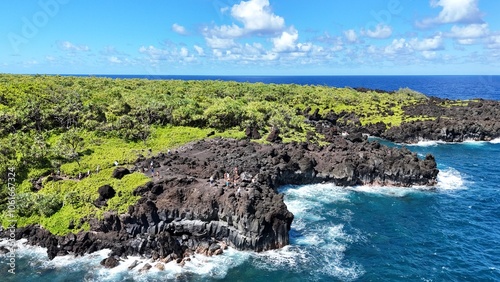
point(77, 196)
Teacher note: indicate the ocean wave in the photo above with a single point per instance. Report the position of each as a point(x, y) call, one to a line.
point(473, 142)
point(316, 241)
point(495, 141)
point(425, 143)
point(434, 143)
point(215, 267)
point(450, 179)
point(304, 198)
point(322, 248)
point(389, 191)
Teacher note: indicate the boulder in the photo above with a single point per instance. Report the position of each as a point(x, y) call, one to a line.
point(4, 250)
point(252, 133)
point(145, 268)
point(274, 135)
point(120, 172)
point(106, 192)
point(133, 265)
point(110, 262)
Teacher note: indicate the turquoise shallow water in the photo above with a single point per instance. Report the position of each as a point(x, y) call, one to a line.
point(363, 233)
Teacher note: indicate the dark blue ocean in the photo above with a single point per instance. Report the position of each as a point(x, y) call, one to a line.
point(451, 233)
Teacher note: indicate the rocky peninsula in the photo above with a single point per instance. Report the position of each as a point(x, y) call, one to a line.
point(182, 212)
point(203, 196)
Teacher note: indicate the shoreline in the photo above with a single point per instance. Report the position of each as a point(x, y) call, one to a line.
point(179, 212)
point(182, 209)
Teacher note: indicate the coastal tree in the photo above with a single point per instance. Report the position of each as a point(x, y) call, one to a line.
point(70, 144)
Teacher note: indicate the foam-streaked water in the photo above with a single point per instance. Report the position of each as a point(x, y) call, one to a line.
point(365, 233)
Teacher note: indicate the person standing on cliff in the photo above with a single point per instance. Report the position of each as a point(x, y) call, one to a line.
point(236, 176)
point(227, 178)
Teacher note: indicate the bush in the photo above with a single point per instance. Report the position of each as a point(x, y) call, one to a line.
point(48, 205)
point(25, 204)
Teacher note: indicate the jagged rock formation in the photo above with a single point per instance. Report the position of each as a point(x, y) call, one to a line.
point(479, 120)
point(181, 211)
point(452, 121)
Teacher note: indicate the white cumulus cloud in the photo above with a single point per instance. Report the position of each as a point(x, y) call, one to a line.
point(114, 60)
point(71, 47)
point(493, 42)
point(350, 35)
point(287, 41)
point(398, 46)
point(403, 46)
point(215, 42)
point(381, 31)
point(428, 44)
point(179, 29)
point(256, 15)
point(199, 50)
point(454, 11)
point(469, 31)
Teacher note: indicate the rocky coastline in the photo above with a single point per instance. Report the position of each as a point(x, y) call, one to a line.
point(439, 120)
point(182, 212)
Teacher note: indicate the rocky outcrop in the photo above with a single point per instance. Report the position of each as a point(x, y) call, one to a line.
point(106, 192)
point(445, 120)
point(181, 212)
point(455, 122)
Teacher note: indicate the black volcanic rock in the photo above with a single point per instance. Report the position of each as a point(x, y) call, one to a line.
point(252, 133)
point(110, 262)
point(106, 192)
point(274, 135)
point(120, 172)
point(180, 212)
point(468, 120)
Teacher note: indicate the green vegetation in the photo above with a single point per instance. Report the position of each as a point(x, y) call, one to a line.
point(76, 124)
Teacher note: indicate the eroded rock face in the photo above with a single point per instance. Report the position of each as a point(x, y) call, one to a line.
point(457, 122)
point(182, 212)
point(452, 121)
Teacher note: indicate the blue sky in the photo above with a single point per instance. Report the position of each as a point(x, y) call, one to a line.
point(253, 37)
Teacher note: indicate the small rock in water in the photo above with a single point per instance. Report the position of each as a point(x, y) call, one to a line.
point(145, 268)
point(160, 266)
point(134, 264)
point(110, 262)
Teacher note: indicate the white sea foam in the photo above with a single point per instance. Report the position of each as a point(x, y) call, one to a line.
point(433, 143)
point(474, 142)
point(215, 267)
point(305, 198)
point(450, 179)
point(322, 248)
point(426, 143)
point(495, 141)
point(390, 191)
point(318, 243)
